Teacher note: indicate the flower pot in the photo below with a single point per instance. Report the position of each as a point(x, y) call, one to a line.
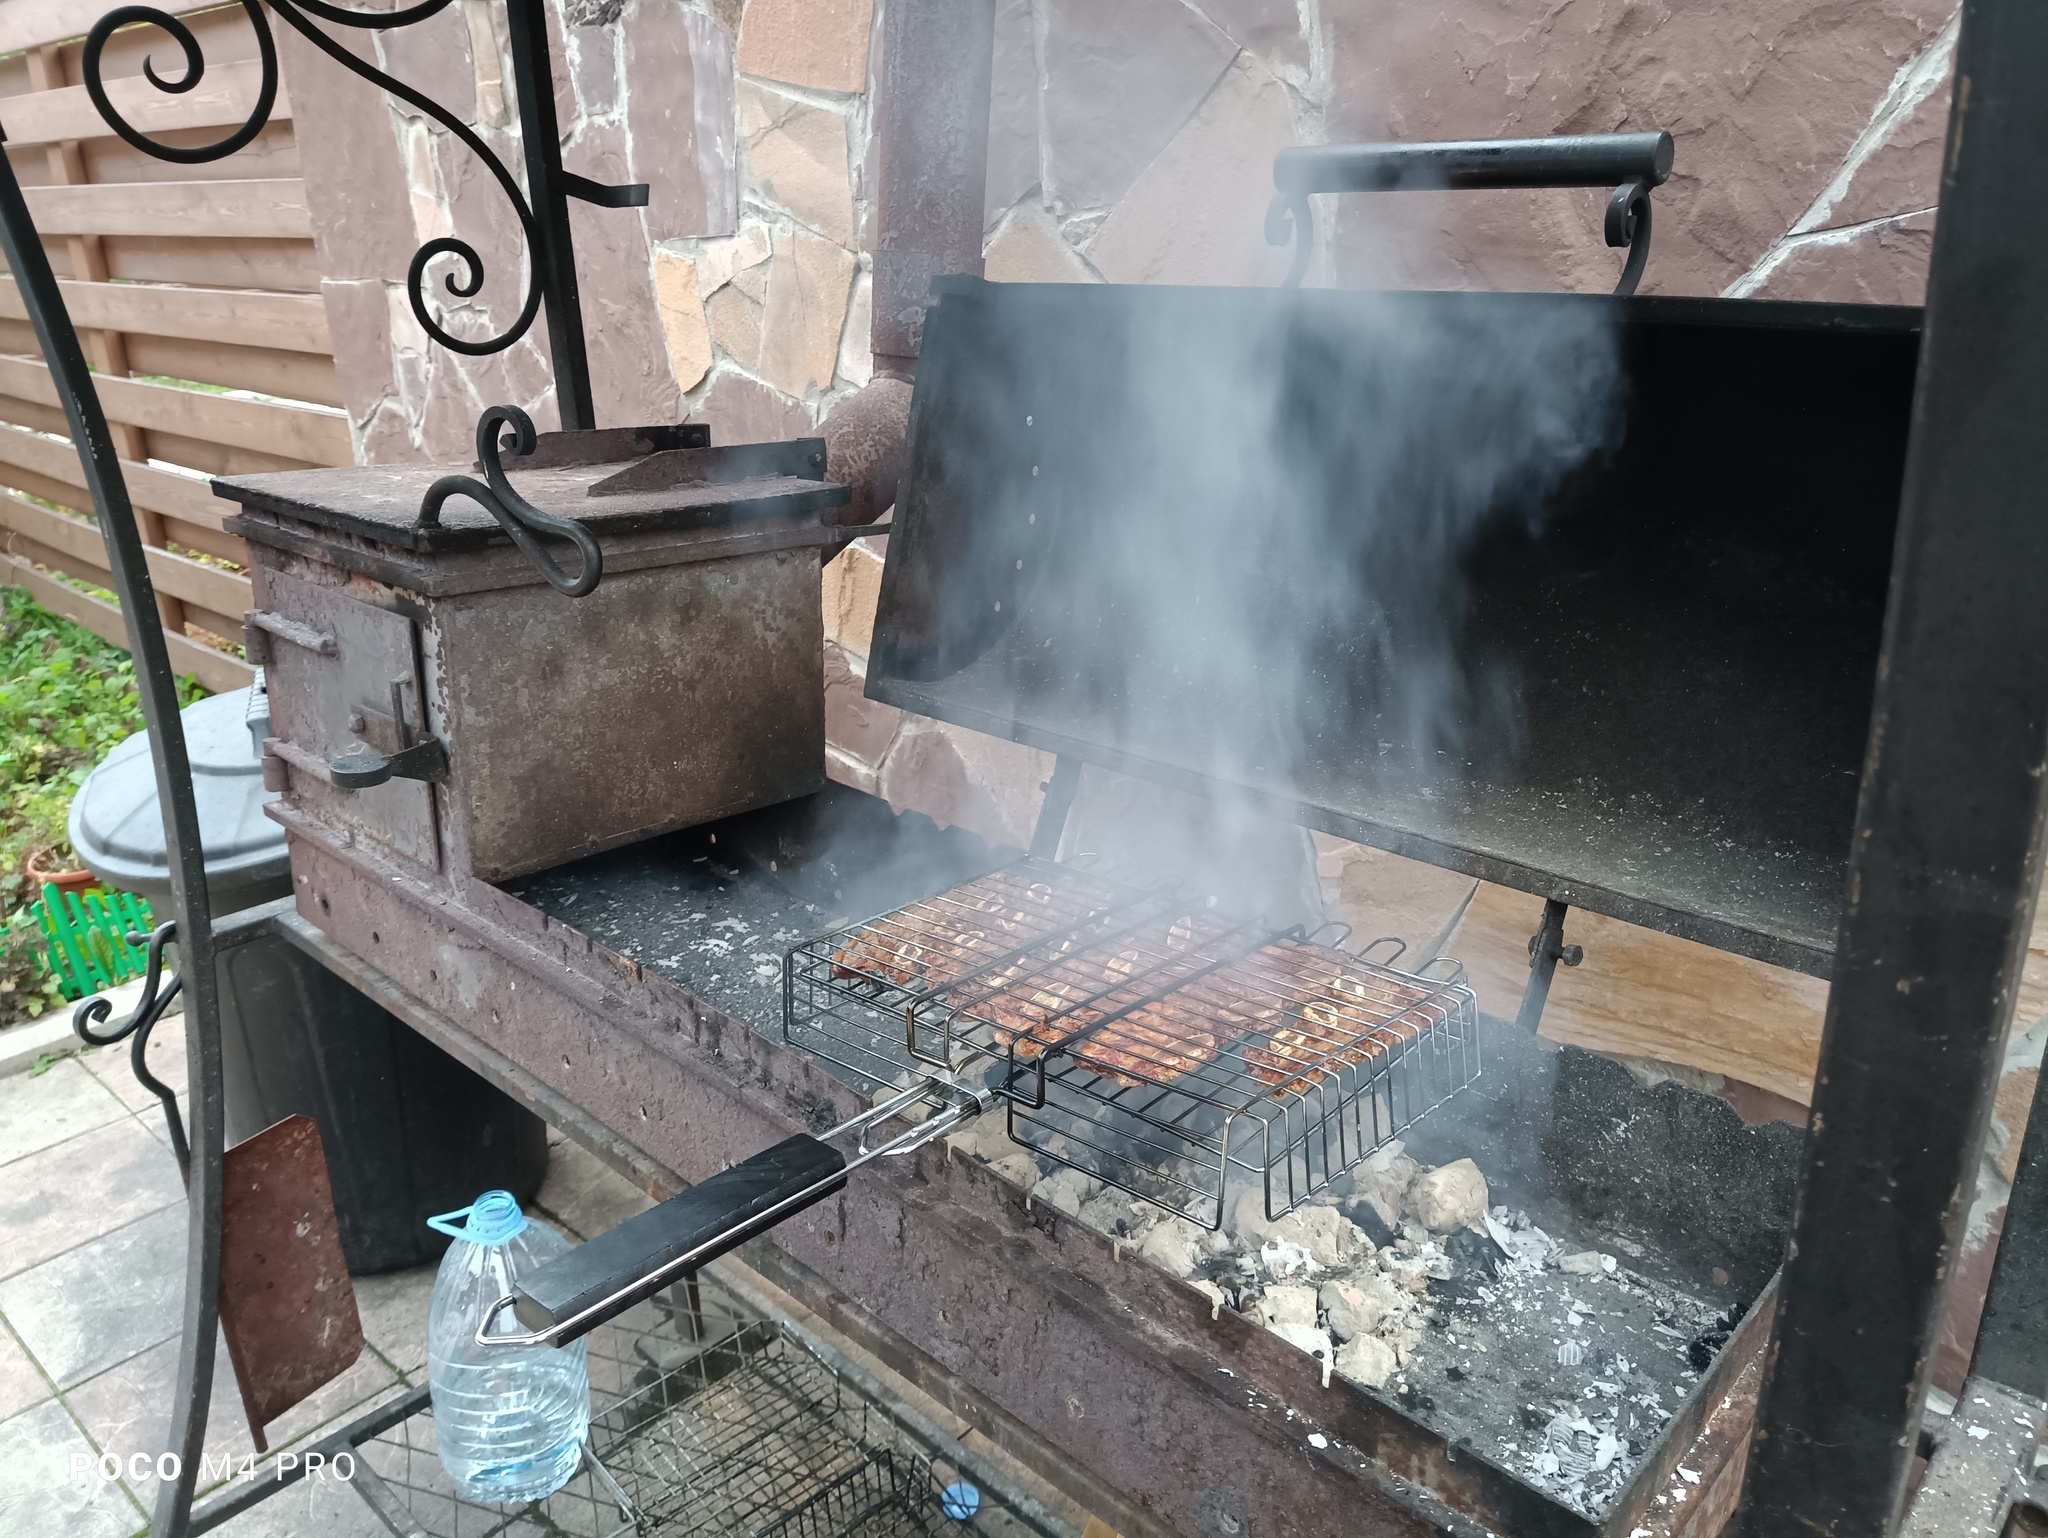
point(63, 880)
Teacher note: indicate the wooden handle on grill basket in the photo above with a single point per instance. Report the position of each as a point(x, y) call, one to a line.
point(1630, 163)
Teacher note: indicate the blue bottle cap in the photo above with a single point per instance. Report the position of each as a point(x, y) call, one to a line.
point(491, 1219)
point(960, 1501)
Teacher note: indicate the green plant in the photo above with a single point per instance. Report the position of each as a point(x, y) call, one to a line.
point(66, 699)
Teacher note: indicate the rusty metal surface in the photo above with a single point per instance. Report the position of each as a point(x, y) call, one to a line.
point(1199, 1422)
point(287, 1306)
point(931, 160)
point(673, 694)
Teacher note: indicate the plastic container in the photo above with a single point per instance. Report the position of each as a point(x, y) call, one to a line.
point(509, 1422)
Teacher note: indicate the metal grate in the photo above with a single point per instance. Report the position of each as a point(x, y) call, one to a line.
point(706, 1424)
point(1174, 1053)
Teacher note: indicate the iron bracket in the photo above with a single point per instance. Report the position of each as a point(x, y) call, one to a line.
point(1546, 950)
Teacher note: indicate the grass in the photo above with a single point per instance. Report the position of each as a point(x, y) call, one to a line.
point(66, 699)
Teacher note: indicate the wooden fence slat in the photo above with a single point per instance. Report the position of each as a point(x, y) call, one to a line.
point(224, 97)
point(297, 432)
point(281, 266)
point(245, 210)
point(245, 317)
point(216, 670)
point(26, 24)
point(77, 545)
point(290, 376)
point(54, 459)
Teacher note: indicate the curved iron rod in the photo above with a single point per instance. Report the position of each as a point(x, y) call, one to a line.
point(158, 688)
point(149, 1009)
point(464, 283)
point(516, 516)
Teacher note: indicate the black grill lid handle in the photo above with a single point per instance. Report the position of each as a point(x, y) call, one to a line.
point(1630, 163)
point(574, 1294)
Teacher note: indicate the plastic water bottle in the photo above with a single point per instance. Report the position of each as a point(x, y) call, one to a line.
point(509, 1421)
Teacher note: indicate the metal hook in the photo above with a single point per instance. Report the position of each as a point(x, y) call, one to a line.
point(148, 1010)
point(518, 517)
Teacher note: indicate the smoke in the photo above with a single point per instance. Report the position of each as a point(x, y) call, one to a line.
point(1226, 533)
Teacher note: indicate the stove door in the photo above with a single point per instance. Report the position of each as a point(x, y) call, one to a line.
point(345, 674)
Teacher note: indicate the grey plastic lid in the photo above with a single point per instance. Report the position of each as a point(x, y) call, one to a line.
point(118, 830)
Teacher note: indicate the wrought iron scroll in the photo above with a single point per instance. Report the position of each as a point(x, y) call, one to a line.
point(543, 216)
point(149, 1009)
point(516, 516)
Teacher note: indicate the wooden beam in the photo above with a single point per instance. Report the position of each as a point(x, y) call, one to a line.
point(295, 432)
point(26, 24)
point(245, 210)
point(78, 544)
point(54, 459)
point(246, 317)
point(224, 98)
point(216, 670)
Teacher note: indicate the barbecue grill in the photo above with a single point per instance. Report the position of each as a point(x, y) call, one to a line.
point(1635, 619)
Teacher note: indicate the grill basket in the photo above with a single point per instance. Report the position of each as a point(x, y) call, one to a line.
point(1164, 1049)
point(707, 1423)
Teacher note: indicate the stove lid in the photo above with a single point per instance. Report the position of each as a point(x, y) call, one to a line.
point(615, 481)
point(1576, 594)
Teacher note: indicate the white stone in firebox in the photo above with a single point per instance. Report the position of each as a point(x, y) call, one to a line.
point(1289, 1305)
point(1450, 1198)
point(1368, 1360)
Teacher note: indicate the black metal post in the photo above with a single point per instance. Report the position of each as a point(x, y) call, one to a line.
point(2012, 1341)
point(540, 137)
point(157, 685)
point(1947, 841)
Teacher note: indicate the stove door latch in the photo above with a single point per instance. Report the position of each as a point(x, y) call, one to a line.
point(395, 749)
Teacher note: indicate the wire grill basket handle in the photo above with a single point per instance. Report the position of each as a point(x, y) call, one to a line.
point(1630, 163)
point(574, 1294)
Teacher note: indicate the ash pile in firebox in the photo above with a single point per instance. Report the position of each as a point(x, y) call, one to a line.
point(1561, 1363)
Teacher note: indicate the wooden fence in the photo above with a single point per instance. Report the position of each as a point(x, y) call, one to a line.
point(197, 294)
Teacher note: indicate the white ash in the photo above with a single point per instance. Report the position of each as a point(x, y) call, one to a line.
point(1564, 1364)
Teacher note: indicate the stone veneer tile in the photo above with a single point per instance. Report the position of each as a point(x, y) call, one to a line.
point(679, 121)
point(809, 283)
point(797, 155)
point(822, 44)
point(735, 322)
point(682, 318)
point(1029, 248)
point(743, 410)
point(1197, 213)
point(1012, 109)
point(1120, 81)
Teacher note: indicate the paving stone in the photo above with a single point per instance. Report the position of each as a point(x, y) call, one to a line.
point(1120, 81)
point(585, 1193)
point(88, 1186)
point(165, 1055)
point(103, 1302)
point(809, 283)
point(39, 1110)
point(325, 1504)
point(796, 154)
point(394, 1314)
point(818, 43)
point(21, 1383)
point(682, 318)
point(127, 1410)
point(39, 1492)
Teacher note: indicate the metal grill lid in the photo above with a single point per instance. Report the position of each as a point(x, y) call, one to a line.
point(1655, 674)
